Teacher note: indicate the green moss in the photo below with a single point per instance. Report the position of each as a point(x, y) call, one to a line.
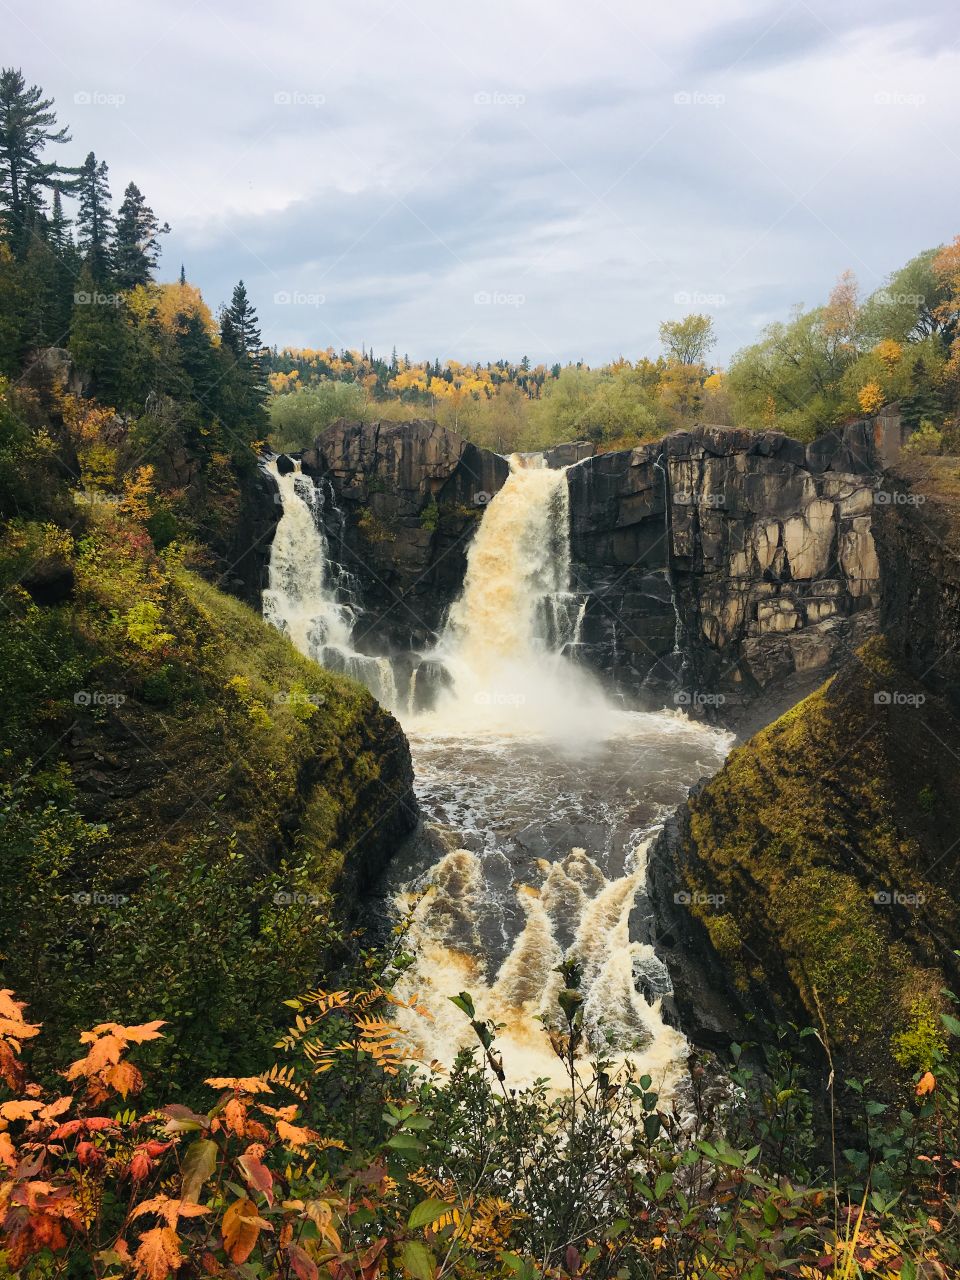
point(806, 833)
point(216, 804)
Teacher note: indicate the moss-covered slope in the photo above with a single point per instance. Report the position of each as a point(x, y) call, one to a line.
point(822, 867)
point(188, 803)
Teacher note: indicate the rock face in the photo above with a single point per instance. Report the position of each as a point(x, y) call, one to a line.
point(817, 874)
point(717, 565)
point(719, 561)
point(401, 501)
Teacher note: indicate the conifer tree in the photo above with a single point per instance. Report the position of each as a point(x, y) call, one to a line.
point(136, 244)
point(94, 217)
point(27, 126)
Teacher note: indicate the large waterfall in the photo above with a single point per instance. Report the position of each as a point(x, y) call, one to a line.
point(539, 795)
point(509, 644)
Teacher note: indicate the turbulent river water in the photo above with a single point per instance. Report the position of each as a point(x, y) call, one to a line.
point(539, 793)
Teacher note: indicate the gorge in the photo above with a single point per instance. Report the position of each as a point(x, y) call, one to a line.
point(577, 623)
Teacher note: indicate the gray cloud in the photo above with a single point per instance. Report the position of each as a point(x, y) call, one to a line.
point(584, 170)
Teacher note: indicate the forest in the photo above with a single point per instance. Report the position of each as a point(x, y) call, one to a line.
point(205, 1068)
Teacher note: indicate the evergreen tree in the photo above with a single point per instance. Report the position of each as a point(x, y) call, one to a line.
point(94, 218)
point(183, 275)
point(100, 341)
point(59, 226)
point(240, 327)
point(27, 126)
point(136, 244)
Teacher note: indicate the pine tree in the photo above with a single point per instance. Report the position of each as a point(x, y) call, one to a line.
point(94, 218)
point(240, 327)
point(27, 126)
point(60, 224)
point(136, 244)
point(183, 275)
point(245, 391)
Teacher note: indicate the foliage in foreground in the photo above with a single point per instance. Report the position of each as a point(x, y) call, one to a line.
point(348, 1159)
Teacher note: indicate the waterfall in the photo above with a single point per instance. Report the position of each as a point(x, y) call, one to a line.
point(678, 628)
point(508, 642)
point(302, 600)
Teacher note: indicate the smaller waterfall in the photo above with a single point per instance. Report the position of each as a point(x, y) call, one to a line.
point(679, 667)
point(303, 602)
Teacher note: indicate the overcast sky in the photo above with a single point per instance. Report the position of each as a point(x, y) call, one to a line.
point(515, 177)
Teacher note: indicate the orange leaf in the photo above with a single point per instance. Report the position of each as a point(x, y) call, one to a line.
point(241, 1226)
point(19, 1110)
point(125, 1078)
point(235, 1115)
point(257, 1174)
point(158, 1254)
point(926, 1084)
point(242, 1084)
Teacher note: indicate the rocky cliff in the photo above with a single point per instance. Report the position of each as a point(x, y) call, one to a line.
point(718, 563)
point(402, 500)
point(817, 877)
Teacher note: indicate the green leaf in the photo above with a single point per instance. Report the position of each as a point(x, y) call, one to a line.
point(951, 1023)
point(198, 1165)
point(418, 1261)
point(651, 1126)
point(464, 1002)
point(662, 1186)
point(427, 1211)
point(404, 1142)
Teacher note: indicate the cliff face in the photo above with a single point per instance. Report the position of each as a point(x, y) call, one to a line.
point(717, 565)
point(817, 875)
point(724, 562)
point(402, 500)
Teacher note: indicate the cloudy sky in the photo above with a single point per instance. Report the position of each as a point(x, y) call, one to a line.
point(516, 177)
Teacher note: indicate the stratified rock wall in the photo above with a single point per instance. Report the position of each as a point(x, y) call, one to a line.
point(719, 561)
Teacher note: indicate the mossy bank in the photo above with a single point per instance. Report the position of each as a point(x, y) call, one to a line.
point(187, 801)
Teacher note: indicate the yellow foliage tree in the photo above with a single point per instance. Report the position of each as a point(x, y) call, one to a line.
point(871, 397)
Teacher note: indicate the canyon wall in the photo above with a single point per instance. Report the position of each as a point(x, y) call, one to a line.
point(816, 877)
point(717, 565)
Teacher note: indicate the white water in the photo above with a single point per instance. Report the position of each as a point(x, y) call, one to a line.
point(539, 795)
point(508, 640)
point(302, 602)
